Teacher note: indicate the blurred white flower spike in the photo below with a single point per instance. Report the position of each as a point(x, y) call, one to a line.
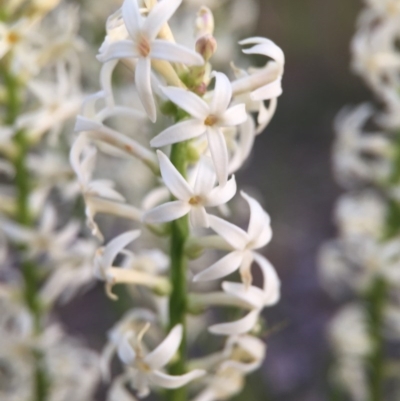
point(206, 128)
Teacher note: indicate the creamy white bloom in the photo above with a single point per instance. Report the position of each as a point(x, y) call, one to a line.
point(243, 243)
point(147, 369)
point(144, 46)
point(205, 119)
point(191, 199)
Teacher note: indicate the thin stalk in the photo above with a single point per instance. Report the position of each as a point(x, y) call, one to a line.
point(375, 304)
point(29, 268)
point(178, 299)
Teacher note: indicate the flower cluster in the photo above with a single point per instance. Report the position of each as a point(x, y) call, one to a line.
point(362, 264)
point(44, 260)
point(169, 185)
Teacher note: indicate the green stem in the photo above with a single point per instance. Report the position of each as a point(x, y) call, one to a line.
point(375, 303)
point(178, 298)
point(29, 269)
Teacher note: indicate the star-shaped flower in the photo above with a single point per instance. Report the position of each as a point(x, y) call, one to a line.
point(143, 46)
point(244, 243)
point(205, 119)
point(192, 199)
point(146, 370)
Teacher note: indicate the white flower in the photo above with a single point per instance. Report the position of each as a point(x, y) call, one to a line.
point(143, 46)
point(206, 119)
point(262, 83)
point(258, 234)
point(146, 369)
point(191, 199)
point(105, 270)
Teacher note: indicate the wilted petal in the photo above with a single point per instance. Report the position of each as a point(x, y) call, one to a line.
point(114, 247)
point(132, 17)
point(232, 234)
point(198, 217)
point(143, 86)
point(166, 381)
point(235, 115)
point(219, 153)
point(180, 132)
point(237, 327)
point(221, 195)
point(164, 50)
point(167, 212)
point(259, 226)
point(223, 267)
point(188, 101)
point(158, 16)
point(160, 356)
point(173, 179)
point(222, 94)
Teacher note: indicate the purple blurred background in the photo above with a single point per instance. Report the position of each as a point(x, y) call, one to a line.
point(291, 169)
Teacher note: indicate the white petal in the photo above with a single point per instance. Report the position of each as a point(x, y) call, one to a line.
point(106, 81)
point(198, 217)
point(237, 327)
point(167, 212)
point(265, 47)
point(125, 351)
point(161, 355)
point(118, 50)
point(269, 91)
point(221, 195)
point(164, 50)
point(260, 223)
point(222, 94)
point(173, 179)
point(180, 132)
point(158, 16)
point(132, 17)
point(252, 295)
point(166, 381)
point(223, 267)
point(271, 284)
point(205, 177)
point(235, 115)
point(187, 101)
point(143, 86)
point(232, 234)
point(116, 245)
point(219, 153)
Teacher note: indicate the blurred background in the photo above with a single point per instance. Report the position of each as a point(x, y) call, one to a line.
point(291, 169)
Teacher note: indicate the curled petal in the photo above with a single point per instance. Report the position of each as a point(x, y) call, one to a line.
point(143, 86)
point(125, 351)
point(251, 295)
point(232, 234)
point(161, 355)
point(167, 212)
point(225, 266)
point(187, 101)
point(164, 50)
point(259, 226)
point(118, 50)
point(173, 179)
point(237, 327)
point(269, 91)
point(166, 381)
point(180, 132)
point(271, 286)
point(265, 47)
point(222, 94)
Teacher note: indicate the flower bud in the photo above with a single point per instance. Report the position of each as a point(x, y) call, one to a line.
point(206, 46)
point(204, 24)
